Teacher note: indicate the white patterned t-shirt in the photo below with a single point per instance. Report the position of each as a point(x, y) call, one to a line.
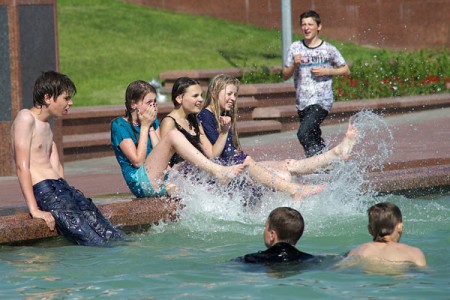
point(313, 89)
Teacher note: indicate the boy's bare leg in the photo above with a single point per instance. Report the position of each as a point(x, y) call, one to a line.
point(311, 164)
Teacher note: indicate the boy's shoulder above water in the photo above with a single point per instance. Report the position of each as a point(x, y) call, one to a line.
point(390, 252)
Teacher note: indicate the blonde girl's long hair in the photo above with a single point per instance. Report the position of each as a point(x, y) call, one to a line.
point(216, 85)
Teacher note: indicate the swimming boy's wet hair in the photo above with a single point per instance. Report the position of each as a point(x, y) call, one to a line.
point(53, 84)
point(216, 85)
point(288, 224)
point(180, 86)
point(383, 217)
point(310, 14)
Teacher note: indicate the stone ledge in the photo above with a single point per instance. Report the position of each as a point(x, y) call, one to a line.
point(128, 215)
point(258, 127)
point(103, 139)
point(94, 111)
point(87, 130)
point(86, 140)
point(405, 181)
point(417, 163)
point(139, 214)
point(286, 88)
point(390, 105)
point(90, 119)
point(205, 75)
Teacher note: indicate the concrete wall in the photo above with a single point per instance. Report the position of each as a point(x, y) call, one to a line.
point(394, 24)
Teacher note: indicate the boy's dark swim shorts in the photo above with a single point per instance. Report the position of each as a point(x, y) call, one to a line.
point(76, 217)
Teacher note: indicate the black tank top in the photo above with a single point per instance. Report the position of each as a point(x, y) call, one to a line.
point(193, 139)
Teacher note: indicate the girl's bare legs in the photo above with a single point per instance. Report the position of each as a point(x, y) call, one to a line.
point(277, 167)
point(287, 167)
point(311, 164)
point(270, 179)
point(157, 161)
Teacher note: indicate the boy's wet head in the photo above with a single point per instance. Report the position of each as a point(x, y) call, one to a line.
point(53, 84)
point(287, 223)
point(383, 219)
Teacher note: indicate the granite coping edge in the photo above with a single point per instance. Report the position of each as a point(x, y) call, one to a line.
point(133, 215)
point(140, 214)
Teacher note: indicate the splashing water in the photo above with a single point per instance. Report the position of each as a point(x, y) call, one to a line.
point(238, 207)
point(375, 140)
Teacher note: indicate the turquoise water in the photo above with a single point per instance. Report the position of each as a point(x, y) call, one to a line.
point(191, 259)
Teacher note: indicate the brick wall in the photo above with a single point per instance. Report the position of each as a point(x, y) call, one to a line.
point(394, 24)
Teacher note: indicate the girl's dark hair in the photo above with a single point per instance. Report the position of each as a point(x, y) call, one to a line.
point(288, 223)
point(310, 14)
point(383, 217)
point(179, 88)
point(53, 84)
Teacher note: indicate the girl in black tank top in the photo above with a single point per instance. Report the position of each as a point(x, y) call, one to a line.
point(193, 139)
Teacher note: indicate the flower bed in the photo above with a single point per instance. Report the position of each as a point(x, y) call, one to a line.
point(386, 75)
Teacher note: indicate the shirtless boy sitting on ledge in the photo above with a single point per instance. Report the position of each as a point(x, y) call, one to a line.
point(40, 172)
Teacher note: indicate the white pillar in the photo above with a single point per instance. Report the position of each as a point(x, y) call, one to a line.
point(286, 27)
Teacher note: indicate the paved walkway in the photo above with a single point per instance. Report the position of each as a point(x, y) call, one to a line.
point(422, 138)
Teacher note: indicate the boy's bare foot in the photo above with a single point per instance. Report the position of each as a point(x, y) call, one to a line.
point(346, 146)
point(308, 190)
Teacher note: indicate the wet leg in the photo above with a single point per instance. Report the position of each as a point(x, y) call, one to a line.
point(269, 179)
point(174, 141)
point(311, 164)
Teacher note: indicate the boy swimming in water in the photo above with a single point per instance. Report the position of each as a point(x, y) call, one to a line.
point(386, 227)
point(283, 228)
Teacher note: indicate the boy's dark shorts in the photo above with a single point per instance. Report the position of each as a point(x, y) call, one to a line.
point(76, 217)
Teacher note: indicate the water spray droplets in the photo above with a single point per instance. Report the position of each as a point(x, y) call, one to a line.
point(375, 140)
point(243, 206)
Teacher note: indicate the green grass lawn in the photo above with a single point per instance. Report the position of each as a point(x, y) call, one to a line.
point(106, 44)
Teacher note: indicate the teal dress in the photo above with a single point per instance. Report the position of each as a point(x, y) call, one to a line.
point(136, 178)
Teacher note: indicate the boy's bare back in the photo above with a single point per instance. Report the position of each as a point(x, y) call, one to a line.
point(390, 252)
point(386, 228)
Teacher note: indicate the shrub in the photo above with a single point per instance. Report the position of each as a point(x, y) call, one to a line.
point(386, 75)
point(401, 74)
point(261, 75)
